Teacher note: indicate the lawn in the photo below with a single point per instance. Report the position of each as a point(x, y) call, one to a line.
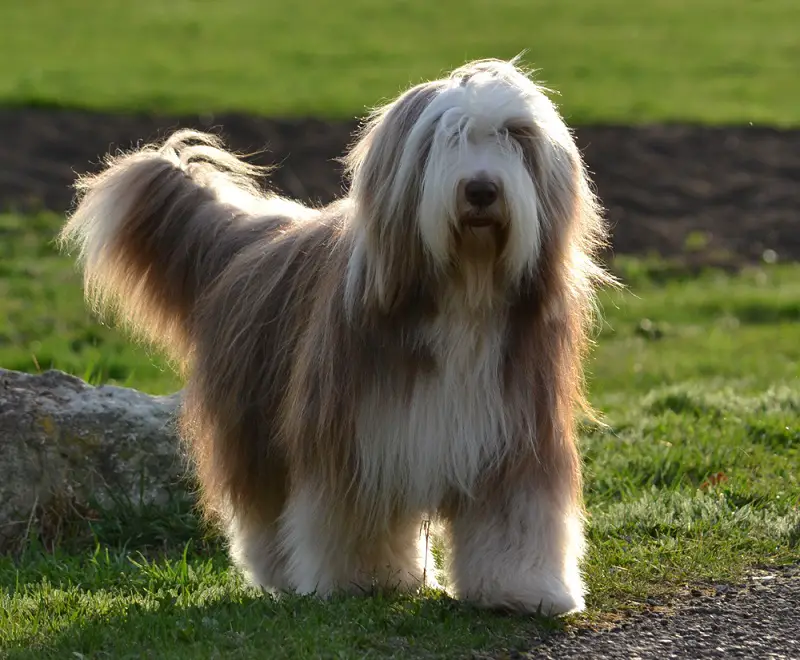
point(696, 478)
point(617, 61)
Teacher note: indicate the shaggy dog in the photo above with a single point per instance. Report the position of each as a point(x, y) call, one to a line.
point(413, 349)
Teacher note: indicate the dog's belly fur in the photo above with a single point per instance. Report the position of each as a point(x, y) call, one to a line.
point(416, 449)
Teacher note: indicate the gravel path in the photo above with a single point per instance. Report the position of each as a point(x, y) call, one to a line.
point(759, 619)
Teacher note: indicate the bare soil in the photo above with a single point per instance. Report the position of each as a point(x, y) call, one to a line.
point(707, 194)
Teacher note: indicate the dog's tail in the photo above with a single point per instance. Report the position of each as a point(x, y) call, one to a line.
point(157, 226)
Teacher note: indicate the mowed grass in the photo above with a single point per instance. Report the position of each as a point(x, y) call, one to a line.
point(615, 61)
point(695, 479)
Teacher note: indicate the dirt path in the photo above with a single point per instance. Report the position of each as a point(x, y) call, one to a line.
point(729, 191)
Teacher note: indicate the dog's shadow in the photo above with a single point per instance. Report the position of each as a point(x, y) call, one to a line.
point(218, 624)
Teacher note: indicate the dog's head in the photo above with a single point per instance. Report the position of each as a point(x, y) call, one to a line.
point(475, 174)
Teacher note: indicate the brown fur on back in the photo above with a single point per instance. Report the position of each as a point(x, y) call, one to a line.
point(250, 335)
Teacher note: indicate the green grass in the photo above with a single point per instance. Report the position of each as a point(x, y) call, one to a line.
point(615, 61)
point(696, 478)
point(43, 319)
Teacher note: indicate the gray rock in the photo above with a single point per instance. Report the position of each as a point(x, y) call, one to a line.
point(65, 444)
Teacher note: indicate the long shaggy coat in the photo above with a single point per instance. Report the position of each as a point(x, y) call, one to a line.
point(413, 349)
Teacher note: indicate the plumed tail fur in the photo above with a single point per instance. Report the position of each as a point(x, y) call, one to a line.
point(156, 228)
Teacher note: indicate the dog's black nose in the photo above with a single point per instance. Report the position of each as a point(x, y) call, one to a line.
point(481, 193)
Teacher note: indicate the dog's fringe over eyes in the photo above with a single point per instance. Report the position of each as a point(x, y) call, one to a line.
point(413, 349)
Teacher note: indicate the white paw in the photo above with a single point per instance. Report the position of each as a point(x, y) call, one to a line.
point(548, 596)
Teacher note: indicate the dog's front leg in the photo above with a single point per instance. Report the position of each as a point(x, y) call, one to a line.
point(330, 546)
point(517, 546)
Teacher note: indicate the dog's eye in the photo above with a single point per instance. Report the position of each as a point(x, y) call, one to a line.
point(521, 134)
point(523, 141)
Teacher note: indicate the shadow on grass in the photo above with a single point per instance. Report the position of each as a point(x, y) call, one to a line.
point(151, 584)
point(159, 628)
point(250, 625)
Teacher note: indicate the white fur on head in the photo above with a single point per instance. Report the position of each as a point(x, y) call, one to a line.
point(487, 120)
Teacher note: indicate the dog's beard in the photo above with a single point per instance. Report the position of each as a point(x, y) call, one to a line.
point(485, 248)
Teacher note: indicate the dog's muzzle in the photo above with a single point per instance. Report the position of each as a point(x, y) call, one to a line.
point(480, 203)
point(481, 193)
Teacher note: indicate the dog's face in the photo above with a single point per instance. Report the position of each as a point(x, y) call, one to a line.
point(474, 168)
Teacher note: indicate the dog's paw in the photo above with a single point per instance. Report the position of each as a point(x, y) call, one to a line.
point(547, 596)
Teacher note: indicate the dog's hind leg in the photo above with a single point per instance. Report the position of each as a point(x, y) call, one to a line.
point(254, 549)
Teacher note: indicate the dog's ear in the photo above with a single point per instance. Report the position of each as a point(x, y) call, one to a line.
point(554, 164)
point(380, 165)
point(568, 211)
point(386, 167)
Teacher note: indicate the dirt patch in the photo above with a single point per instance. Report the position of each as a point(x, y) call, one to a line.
point(722, 192)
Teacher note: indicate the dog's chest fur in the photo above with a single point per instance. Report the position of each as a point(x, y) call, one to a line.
point(416, 449)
